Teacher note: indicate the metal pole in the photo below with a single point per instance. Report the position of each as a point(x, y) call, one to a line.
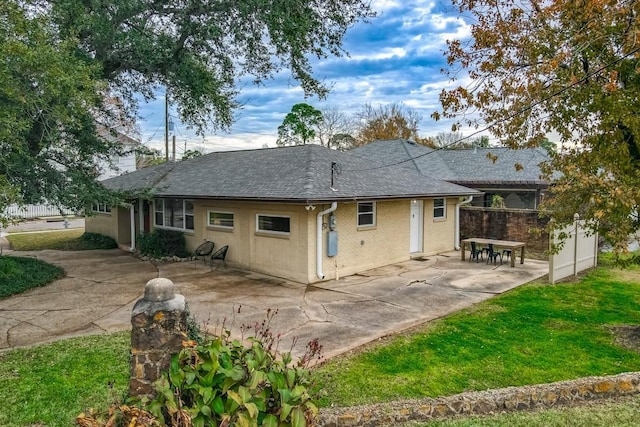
point(166, 126)
point(174, 147)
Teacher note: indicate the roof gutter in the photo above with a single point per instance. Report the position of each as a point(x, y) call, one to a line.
point(319, 254)
point(457, 238)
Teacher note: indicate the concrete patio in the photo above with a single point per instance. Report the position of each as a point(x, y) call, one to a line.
point(100, 288)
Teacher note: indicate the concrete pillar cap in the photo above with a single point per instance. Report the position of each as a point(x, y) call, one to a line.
point(159, 289)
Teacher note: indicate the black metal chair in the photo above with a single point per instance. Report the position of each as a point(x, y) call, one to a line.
point(475, 253)
point(492, 254)
point(204, 250)
point(220, 254)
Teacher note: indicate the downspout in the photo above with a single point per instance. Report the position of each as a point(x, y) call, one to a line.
point(457, 238)
point(319, 253)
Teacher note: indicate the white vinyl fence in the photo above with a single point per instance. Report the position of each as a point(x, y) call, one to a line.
point(36, 211)
point(580, 251)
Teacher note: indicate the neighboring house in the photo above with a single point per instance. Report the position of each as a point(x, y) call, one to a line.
point(305, 213)
point(124, 163)
point(514, 175)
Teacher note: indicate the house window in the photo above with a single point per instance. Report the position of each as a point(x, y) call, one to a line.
point(278, 224)
point(439, 208)
point(221, 219)
point(101, 208)
point(173, 213)
point(366, 214)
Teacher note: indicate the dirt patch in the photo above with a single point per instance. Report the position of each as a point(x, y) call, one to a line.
point(626, 275)
point(627, 336)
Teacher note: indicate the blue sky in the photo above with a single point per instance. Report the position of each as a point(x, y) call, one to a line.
point(396, 58)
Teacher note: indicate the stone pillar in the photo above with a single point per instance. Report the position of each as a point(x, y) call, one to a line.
point(159, 325)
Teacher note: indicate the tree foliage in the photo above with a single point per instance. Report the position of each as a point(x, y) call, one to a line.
point(456, 140)
point(299, 126)
point(63, 60)
point(190, 154)
point(51, 147)
point(336, 129)
point(200, 50)
point(568, 67)
point(390, 121)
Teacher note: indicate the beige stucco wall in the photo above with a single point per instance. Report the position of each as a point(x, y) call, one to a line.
point(362, 248)
point(439, 234)
point(282, 256)
point(106, 224)
point(294, 256)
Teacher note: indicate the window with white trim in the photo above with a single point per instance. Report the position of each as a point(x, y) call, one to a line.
point(173, 213)
point(101, 207)
point(277, 224)
point(439, 208)
point(366, 214)
point(220, 219)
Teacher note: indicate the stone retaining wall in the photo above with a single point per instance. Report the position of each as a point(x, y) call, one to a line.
point(510, 399)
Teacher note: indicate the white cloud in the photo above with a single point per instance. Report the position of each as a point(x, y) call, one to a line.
point(387, 53)
point(395, 58)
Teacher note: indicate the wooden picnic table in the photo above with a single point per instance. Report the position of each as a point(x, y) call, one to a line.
point(504, 244)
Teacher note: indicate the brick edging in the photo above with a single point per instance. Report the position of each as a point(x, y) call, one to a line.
point(509, 399)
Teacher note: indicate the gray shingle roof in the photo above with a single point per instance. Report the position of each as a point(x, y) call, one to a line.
point(297, 174)
point(465, 166)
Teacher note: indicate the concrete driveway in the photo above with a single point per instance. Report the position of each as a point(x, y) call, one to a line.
point(100, 288)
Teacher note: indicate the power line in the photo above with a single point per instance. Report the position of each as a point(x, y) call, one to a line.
point(510, 116)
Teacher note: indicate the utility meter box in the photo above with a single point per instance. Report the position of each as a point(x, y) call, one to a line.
point(332, 243)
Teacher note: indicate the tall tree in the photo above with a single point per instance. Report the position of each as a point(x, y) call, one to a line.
point(299, 126)
point(449, 140)
point(200, 49)
point(63, 58)
point(335, 129)
point(564, 66)
point(456, 140)
point(390, 121)
point(49, 139)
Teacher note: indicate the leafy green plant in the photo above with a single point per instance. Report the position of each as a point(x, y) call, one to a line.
point(162, 243)
point(18, 274)
point(97, 241)
point(497, 201)
point(225, 382)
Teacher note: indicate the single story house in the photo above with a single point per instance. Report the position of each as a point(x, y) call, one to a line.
point(304, 213)
point(514, 175)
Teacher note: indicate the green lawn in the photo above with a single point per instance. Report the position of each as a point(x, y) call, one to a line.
point(623, 413)
point(65, 240)
point(18, 274)
point(537, 333)
point(51, 384)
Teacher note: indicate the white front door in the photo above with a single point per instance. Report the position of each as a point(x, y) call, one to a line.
point(416, 226)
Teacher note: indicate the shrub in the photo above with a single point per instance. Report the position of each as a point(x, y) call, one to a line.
point(97, 241)
point(224, 382)
point(162, 243)
point(18, 274)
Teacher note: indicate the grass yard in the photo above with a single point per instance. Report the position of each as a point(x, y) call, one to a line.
point(623, 413)
point(534, 334)
point(537, 333)
point(66, 240)
point(49, 385)
point(18, 274)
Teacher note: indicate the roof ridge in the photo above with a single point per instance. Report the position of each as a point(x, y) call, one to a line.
point(309, 175)
point(413, 160)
